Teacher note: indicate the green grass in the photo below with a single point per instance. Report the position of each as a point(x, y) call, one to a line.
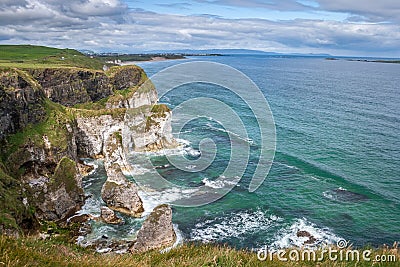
point(28, 56)
point(56, 252)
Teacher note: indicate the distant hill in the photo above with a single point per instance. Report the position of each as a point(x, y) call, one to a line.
point(215, 51)
point(29, 56)
point(237, 52)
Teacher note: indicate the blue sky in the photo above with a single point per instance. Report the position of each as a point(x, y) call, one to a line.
point(341, 27)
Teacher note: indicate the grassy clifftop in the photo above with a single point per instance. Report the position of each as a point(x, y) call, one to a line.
point(56, 252)
point(28, 56)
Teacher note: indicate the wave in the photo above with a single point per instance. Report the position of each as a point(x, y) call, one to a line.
point(217, 184)
point(192, 152)
point(239, 224)
point(91, 162)
point(152, 199)
point(216, 129)
point(289, 236)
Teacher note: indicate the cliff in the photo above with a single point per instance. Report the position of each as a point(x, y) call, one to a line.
point(51, 117)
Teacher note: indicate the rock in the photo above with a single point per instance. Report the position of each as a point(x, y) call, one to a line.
point(62, 195)
point(120, 194)
point(71, 86)
point(156, 232)
point(149, 130)
point(41, 171)
point(311, 239)
point(108, 216)
point(21, 102)
point(114, 153)
point(303, 234)
point(82, 218)
point(93, 132)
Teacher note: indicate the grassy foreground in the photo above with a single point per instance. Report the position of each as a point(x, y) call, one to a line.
point(53, 252)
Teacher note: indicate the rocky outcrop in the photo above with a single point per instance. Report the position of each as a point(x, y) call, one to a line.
point(157, 231)
point(71, 86)
point(108, 216)
point(22, 101)
point(93, 132)
point(122, 78)
point(148, 129)
point(59, 196)
point(41, 159)
point(120, 194)
point(144, 95)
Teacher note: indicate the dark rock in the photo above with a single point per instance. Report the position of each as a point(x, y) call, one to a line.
point(69, 86)
point(311, 239)
point(303, 234)
point(21, 102)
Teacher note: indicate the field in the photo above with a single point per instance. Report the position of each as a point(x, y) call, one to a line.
point(27, 56)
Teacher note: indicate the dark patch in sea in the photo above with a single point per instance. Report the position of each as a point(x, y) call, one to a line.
point(344, 195)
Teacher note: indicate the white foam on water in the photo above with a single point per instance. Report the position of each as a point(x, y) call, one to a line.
point(286, 165)
point(92, 207)
point(247, 140)
point(91, 162)
point(152, 199)
point(329, 195)
point(137, 169)
point(218, 184)
point(183, 141)
point(287, 237)
point(238, 224)
point(192, 152)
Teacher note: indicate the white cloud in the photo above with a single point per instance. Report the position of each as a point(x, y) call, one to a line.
point(370, 10)
point(108, 25)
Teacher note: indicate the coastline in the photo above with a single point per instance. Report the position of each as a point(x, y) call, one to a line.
point(154, 59)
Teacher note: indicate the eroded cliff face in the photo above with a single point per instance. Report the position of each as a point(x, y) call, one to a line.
point(71, 86)
point(21, 102)
point(42, 141)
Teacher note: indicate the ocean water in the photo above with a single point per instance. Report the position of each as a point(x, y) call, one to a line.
point(336, 168)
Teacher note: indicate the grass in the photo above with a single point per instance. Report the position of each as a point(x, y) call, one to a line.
point(56, 252)
point(28, 56)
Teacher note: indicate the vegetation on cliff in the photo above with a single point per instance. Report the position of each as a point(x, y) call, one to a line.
point(56, 252)
point(42, 93)
point(28, 56)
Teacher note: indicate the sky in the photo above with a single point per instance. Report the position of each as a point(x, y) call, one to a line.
point(337, 27)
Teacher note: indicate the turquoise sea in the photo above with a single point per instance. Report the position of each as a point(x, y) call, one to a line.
point(336, 168)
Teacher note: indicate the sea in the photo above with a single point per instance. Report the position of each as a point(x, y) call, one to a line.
point(335, 172)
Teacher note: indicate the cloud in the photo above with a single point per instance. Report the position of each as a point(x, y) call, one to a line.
point(58, 12)
point(108, 26)
point(280, 5)
point(180, 5)
point(372, 10)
